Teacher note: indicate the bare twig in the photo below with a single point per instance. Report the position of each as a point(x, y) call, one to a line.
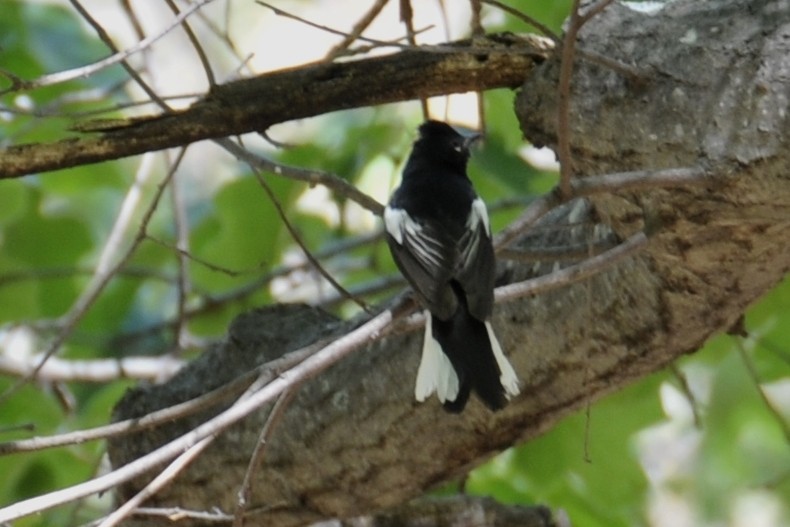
point(184, 286)
point(639, 180)
point(90, 69)
point(623, 69)
point(313, 177)
point(568, 53)
point(531, 214)
point(755, 378)
point(305, 250)
point(378, 43)
point(26, 427)
point(175, 514)
point(572, 274)
point(257, 455)
point(375, 286)
point(556, 253)
point(110, 44)
point(407, 17)
point(92, 370)
point(134, 20)
point(686, 389)
point(195, 44)
point(592, 11)
point(356, 31)
point(564, 101)
point(205, 263)
point(668, 178)
point(526, 18)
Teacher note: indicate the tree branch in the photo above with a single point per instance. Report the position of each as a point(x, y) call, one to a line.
point(255, 104)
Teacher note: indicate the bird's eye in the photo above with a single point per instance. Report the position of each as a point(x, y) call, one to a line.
point(458, 147)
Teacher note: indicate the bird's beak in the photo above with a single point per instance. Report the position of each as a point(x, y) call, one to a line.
point(471, 140)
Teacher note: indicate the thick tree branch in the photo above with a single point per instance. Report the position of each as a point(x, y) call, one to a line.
point(255, 104)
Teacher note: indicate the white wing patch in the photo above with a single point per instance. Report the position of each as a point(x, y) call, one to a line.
point(477, 214)
point(507, 375)
point(393, 222)
point(403, 228)
point(436, 373)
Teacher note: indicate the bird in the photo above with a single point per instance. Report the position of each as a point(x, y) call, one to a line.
point(438, 232)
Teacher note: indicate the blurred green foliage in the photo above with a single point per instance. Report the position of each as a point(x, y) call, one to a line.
point(599, 466)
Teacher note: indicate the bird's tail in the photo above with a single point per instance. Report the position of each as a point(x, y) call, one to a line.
point(460, 355)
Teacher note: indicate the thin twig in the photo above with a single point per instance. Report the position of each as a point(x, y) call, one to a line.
point(338, 185)
point(174, 514)
point(90, 69)
point(184, 286)
point(555, 253)
point(568, 53)
point(205, 263)
point(536, 210)
point(647, 179)
point(275, 417)
point(128, 67)
point(195, 44)
point(572, 274)
point(407, 17)
point(286, 14)
point(92, 370)
point(639, 179)
point(134, 20)
point(362, 24)
point(626, 70)
point(224, 36)
point(305, 250)
point(375, 286)
point(690, 397)
point(20, 427)
point(546, 30)
point(592, 11)
point(755, 378)
point(479, 31)
point(564, 101)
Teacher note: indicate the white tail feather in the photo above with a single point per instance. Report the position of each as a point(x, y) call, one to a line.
point(507, 375)
point(436, 373)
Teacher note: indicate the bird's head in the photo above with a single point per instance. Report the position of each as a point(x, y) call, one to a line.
point(443, 142)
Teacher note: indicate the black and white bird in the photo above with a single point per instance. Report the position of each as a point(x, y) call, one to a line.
point(440, 238)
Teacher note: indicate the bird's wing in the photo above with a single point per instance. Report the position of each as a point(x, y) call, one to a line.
point(476, 265)
point(426, 256)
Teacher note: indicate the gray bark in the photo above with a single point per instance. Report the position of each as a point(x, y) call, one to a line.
point(714, 93)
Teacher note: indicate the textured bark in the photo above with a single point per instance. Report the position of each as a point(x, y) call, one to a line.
point(255, 104)
point(714, 94)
